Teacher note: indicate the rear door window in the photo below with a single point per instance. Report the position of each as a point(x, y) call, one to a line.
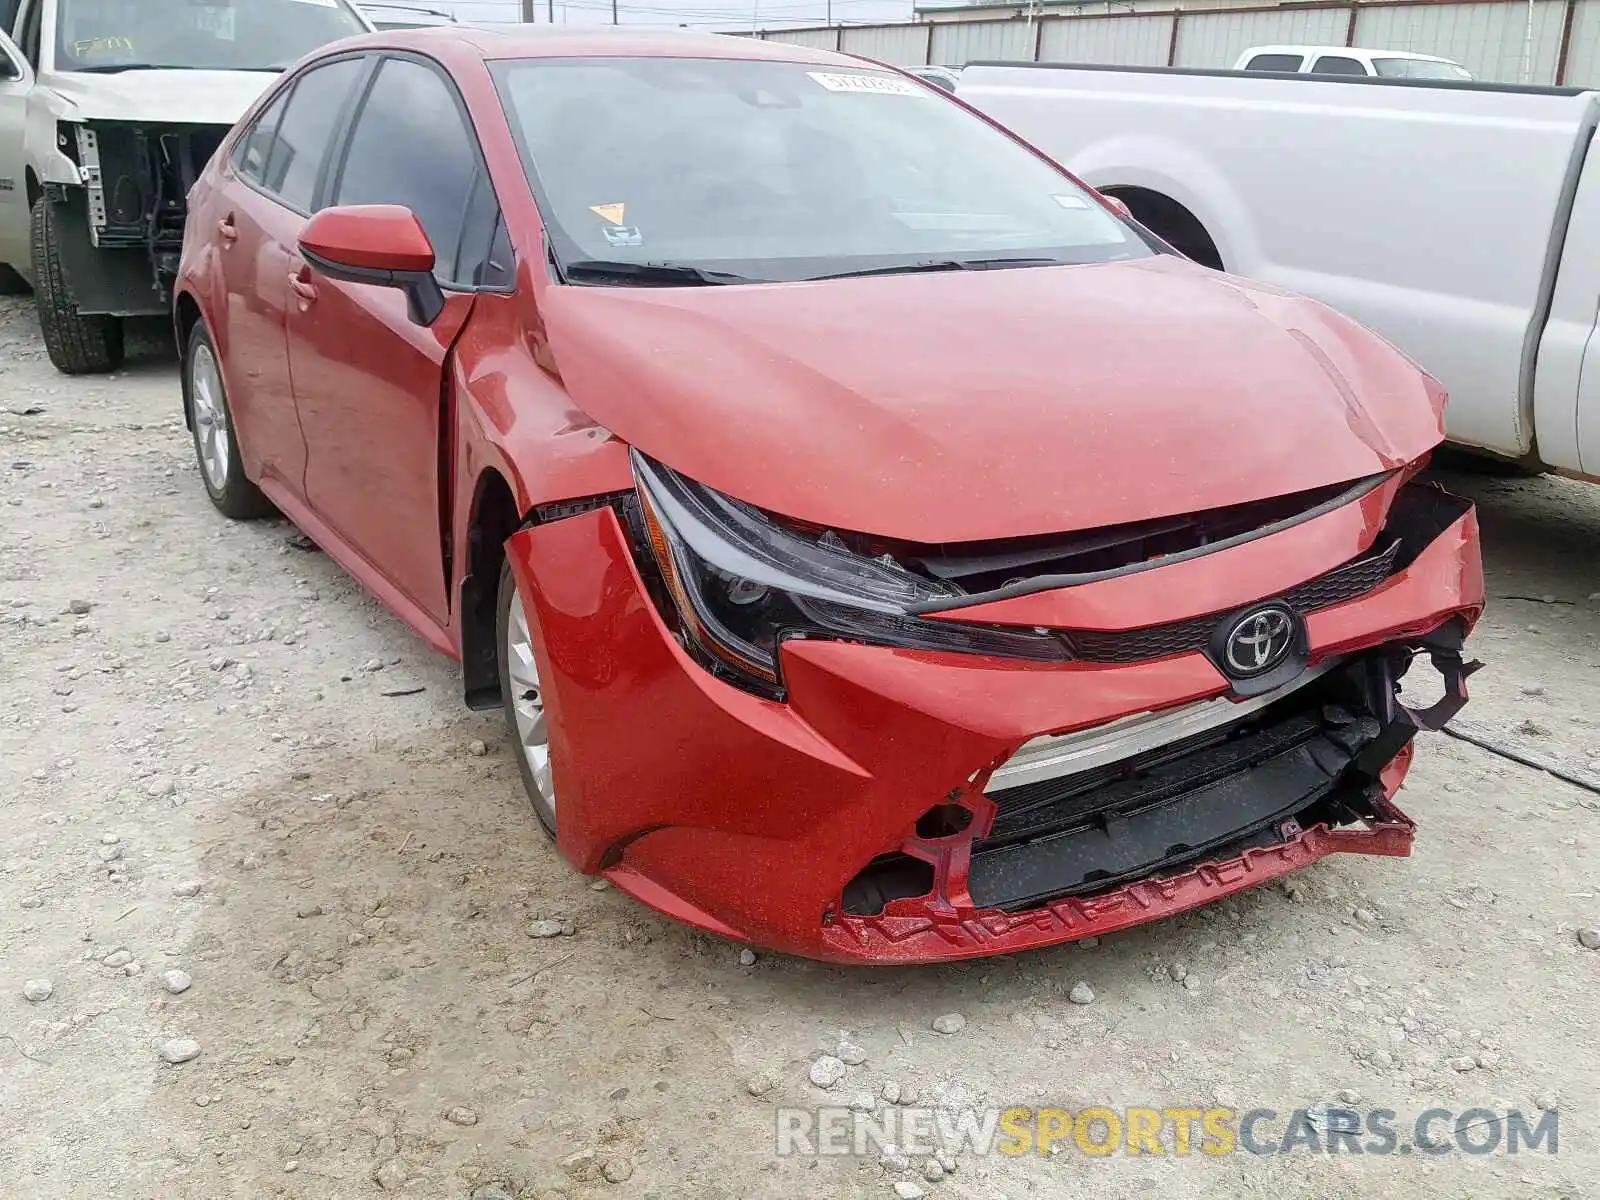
point(1275, 62)
point(315, 113)
point(411, 145)
point(1338, 64)
point(251, 153)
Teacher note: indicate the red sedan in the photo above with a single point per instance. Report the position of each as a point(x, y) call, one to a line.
point(881, 548)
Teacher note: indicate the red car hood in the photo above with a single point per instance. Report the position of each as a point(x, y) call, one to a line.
point(970, 405)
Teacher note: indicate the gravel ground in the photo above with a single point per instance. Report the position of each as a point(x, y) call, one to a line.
point(266, 894)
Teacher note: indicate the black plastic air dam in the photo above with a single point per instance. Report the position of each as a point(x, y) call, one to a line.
point(1136, 845)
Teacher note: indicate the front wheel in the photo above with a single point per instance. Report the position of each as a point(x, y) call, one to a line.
point(523, 696)
point(78, 344)
point(216, 443)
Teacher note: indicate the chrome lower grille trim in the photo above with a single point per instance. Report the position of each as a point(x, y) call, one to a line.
point(1057, 755)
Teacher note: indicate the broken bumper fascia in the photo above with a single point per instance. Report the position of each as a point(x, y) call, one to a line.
point(748, 817)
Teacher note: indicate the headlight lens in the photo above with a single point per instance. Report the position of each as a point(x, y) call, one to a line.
point(740, 583)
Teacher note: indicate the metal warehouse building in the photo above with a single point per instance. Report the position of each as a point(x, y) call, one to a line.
point(1505, 41)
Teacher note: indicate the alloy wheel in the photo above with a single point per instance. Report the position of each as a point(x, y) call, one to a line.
point(211, 433)
point(527, 701)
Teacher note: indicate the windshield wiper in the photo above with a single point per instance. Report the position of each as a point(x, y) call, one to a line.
point(117, 68)
point(663, 274)
point(949, 264)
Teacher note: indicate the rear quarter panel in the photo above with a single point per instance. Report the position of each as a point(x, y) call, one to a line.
point(1426, 213)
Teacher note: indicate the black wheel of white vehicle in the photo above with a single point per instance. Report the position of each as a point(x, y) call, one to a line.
point(78, 344)
point(523, 696)
point(11, 283)
point(216, 445)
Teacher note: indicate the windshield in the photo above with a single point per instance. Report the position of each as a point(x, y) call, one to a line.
point(223, 35)
point(1418, 68)
point(758, 171)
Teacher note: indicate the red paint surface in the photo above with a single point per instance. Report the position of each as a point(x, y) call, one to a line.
point(753, 815)
point(969, 405)
point(384, 237)
point(953, 406)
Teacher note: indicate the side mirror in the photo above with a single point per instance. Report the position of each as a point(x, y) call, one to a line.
point(379, 244)
point(1117, 205)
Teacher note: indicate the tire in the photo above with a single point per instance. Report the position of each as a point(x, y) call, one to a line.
point(216, 445)
point(12, 284)
point(78, 344)
point(519, 673)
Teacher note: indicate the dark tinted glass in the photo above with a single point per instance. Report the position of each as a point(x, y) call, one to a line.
point(410, 146)
point(250, 155)
point(483, 258)
point(1337, 64)
point(1274, 62)
point(307, 130)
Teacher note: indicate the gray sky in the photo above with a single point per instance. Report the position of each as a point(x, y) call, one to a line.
point(698, 14)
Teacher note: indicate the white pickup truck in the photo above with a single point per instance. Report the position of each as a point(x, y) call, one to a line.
point(1461, 221)
point(109, 110)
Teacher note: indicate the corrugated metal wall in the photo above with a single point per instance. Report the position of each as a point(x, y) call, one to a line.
point(1583, 54)
point(903, 45)
point(1123, 41)
point(958, 42)
point(1489, 38)
point(817, 39)
point(1217, 39)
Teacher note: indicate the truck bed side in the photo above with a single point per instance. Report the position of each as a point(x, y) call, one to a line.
point(1434, 215)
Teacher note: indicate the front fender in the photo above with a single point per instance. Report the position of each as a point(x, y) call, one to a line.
point(516, 417)
point(46, 112)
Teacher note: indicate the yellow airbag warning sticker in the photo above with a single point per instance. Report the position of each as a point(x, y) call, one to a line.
point(882, 85)
point(609, 212)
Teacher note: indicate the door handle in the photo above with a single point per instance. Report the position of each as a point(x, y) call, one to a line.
point(302, 287)
point(228, 230)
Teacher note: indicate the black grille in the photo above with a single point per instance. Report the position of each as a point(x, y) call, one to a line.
point(979, 567)
point(1155, 777)
point(1083, 833)
point(1353, 579)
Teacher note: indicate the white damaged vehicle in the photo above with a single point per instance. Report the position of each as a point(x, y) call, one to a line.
point(109, 110)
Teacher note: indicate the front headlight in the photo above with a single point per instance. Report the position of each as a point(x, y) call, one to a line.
point(740, 583)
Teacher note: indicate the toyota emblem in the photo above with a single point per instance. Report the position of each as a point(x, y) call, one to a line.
point(1259, 641)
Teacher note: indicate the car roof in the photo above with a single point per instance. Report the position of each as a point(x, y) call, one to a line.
point(1360, 51)
point(497, 42)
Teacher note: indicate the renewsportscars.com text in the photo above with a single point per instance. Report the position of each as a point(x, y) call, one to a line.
point(1098, 1132)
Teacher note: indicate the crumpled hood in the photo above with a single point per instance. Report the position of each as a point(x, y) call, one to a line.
point(178, 97)
point(963, 406)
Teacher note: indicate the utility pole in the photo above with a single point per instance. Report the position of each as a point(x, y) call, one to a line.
point(830, 14)
point(529, 14)
point(550, 11)
point(613, 12)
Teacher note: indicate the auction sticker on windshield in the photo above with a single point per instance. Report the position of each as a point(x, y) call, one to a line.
point(215, 19)
point(882, 85)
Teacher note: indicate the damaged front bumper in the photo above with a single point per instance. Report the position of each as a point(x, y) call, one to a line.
point(910, 805)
